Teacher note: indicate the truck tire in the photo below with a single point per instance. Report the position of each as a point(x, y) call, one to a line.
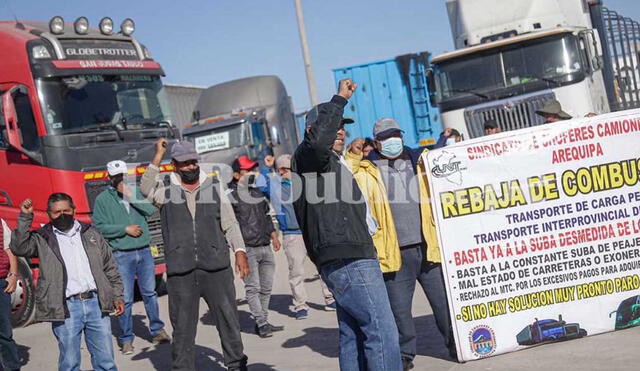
point(23, 300)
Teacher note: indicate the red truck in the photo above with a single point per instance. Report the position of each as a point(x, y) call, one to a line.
point(73, 98)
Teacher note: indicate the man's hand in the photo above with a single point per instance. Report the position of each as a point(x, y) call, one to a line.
point(119, 305)
point(275, 241)
point(346, 88)
point(134, 230)
point(161, 149)
point(12, 282)
point(26, 207)
point(242, 264)
point(356, 146)
point(269, 161)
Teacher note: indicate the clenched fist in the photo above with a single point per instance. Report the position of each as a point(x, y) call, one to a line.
point(26, 207)
point(346, 88)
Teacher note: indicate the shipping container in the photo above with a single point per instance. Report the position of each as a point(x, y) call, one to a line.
point(395, 88)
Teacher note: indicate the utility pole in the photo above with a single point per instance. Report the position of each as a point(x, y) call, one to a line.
point(311, 81)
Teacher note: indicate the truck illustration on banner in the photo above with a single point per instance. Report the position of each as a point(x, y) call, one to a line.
point(548, 330)
point(628, 313)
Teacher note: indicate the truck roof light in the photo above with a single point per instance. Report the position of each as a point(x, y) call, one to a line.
point(81, 26)
point(127, 27)
point(40, 52)
point(56, 25)
point(106, 26)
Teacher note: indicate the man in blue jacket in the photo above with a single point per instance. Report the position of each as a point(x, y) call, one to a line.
point(120, 214)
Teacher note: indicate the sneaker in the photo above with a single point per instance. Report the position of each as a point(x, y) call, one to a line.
point(330, 307)
point(127, 348)
point(275, 328)
point(302, 314)
point(161, 337)
point(264, 331)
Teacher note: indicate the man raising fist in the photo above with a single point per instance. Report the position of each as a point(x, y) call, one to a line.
point(196, 246)
point(79, 284)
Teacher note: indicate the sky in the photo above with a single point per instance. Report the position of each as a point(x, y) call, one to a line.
point(207, 42)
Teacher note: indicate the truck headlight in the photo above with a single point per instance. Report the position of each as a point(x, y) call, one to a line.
point(81, 26)
point(40, 52)
point(106, 26)
point(56, 25)
point(127, 27)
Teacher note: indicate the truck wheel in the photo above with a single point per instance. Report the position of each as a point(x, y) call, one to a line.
point(582, 333)
point(23, 300)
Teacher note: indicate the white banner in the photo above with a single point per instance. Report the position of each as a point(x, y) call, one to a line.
point(540, 232)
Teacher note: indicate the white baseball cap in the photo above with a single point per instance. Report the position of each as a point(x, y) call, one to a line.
point(117, 167)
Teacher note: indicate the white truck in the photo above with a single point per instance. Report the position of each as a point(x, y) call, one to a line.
point(514, 55)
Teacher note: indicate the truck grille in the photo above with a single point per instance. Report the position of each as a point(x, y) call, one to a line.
point(510, 114)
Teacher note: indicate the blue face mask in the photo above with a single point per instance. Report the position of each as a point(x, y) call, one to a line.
point(391, 147)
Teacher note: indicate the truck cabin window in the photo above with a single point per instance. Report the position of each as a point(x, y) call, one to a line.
point(536, 65)
point(76, 104)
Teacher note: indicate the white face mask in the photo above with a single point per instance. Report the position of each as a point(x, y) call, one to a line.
point(450, 141)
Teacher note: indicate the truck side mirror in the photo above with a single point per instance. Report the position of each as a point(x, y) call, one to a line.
point(11, 119)
point(431, 86)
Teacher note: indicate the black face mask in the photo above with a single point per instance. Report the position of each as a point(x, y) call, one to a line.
point(190, 176)
point(116, 181)
point(64, 222)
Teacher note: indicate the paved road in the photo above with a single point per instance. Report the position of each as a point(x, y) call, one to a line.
point(312, 344)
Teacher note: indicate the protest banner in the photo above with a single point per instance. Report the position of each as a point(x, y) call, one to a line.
point(539, 231)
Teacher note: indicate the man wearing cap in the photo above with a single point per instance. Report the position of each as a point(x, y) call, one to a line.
point(120, 214)
point(419, 251)
point(337, 226)
point(491, 127)
point(198, 227)
point(277, 187)
point(253, 213)
point(448, 137)
point(552, 112)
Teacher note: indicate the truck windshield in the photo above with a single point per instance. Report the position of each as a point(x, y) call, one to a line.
point(76, 104)
point(542, 62)
point(219, 138)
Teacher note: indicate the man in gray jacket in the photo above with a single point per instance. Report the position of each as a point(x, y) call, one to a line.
point(79, 283)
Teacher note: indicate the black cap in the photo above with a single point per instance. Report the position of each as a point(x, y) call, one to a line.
point(490, 124)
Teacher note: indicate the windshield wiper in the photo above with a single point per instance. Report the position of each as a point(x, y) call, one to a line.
point(93, 129)
point(469, 91)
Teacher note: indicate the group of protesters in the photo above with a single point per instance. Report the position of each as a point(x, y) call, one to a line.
point(370, 243)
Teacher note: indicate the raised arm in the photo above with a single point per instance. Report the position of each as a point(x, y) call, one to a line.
point(23, 242)
point(150, 186)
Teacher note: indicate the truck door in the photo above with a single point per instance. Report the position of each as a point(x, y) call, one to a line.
point(21, 160)
point(260, 141)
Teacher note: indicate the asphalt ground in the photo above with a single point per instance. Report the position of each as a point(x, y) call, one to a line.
point(312, 344)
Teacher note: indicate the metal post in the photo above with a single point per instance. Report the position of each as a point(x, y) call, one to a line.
point(311, 82)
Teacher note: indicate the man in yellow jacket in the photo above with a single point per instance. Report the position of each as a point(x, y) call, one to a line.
point(401, 187)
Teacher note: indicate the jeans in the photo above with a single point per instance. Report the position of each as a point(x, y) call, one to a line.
point(131, 264)
point(262, 268)
point(293, 246)
point(8, 347)
point(84, 316)
point(218, 291)
point(368, 333)
point(401, 286)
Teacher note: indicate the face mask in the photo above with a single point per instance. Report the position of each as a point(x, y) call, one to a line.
point(64, 222)
point(190, 176)
point(391, 147)
point(116, 182)
point(451, 141)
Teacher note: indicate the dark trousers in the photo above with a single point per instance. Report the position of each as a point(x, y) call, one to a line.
point(400, 287)
point(218, 291)
point(8, 347)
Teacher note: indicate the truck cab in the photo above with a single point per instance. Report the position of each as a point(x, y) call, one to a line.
point(73, 99)
point(512, 57)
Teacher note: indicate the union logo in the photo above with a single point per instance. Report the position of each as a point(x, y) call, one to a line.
point(482, 341)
